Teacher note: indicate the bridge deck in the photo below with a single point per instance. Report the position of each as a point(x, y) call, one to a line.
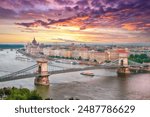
point(17, 77)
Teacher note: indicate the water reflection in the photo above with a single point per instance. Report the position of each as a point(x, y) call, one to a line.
point(44, 91)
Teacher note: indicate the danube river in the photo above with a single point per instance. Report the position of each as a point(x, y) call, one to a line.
point(104, 85)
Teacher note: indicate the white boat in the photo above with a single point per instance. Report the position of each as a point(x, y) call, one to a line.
point(73, 63)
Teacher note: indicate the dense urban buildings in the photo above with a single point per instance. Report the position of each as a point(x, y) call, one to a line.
point(78, 52)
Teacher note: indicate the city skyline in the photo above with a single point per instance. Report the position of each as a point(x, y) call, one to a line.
point(95, 21)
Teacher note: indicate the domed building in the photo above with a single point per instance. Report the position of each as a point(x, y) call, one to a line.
point(34, 42)
point(33, 48)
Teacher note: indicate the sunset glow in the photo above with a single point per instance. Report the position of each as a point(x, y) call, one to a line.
point(102, 21)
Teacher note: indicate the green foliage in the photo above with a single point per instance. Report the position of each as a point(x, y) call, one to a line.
point(19, 94)
point(95, 60)
point(1, 93)
point(80, 58)
point(61, 57)
point(100, 50)
point(107, 61)
point(6, 91)
point(34, 96)
point(86, 59)
point(139, 58)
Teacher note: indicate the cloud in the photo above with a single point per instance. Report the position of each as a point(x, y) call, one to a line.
point(7, 13)
point(129, 19)
point(66, 2)
point(45, 24)
point(34, 24)
point(71, 21)
point(128, 15)
point(82, 2)
point(65, 40)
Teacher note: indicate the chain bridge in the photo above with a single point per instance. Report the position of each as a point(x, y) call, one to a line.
point(42, 73)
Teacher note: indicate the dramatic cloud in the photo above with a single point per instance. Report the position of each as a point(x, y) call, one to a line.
point(7, 13)
point(66, 2)
point(100, 13)
point(37, 23)
point(81, 15)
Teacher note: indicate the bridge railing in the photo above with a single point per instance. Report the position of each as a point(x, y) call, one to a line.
point(19, 72)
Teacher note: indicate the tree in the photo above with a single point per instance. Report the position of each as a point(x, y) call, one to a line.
point(86, 59)
point(21, 94)
point(79, 58)
point(7, 91)
point(139, 58)
point(1, 93)
point(107, 61)
point(143, 56)
point(95, 60)
point(131, 56)
point(34, 96)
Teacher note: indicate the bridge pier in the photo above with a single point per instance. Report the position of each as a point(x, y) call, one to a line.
point(123, 63)
point(42, 77)
point(123, 70)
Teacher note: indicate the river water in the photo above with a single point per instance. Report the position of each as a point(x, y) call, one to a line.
point(104, 85)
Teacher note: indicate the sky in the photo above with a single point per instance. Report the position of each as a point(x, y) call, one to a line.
point(75, 21)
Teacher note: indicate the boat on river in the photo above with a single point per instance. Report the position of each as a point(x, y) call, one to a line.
point(87, 73)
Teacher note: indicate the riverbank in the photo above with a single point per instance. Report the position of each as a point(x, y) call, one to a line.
point(59, 60)
point(13, 93)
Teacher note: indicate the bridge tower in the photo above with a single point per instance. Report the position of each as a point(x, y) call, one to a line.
point(42, 78)
point(123, 64)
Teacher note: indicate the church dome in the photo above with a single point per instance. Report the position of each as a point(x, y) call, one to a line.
point(34, 42)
